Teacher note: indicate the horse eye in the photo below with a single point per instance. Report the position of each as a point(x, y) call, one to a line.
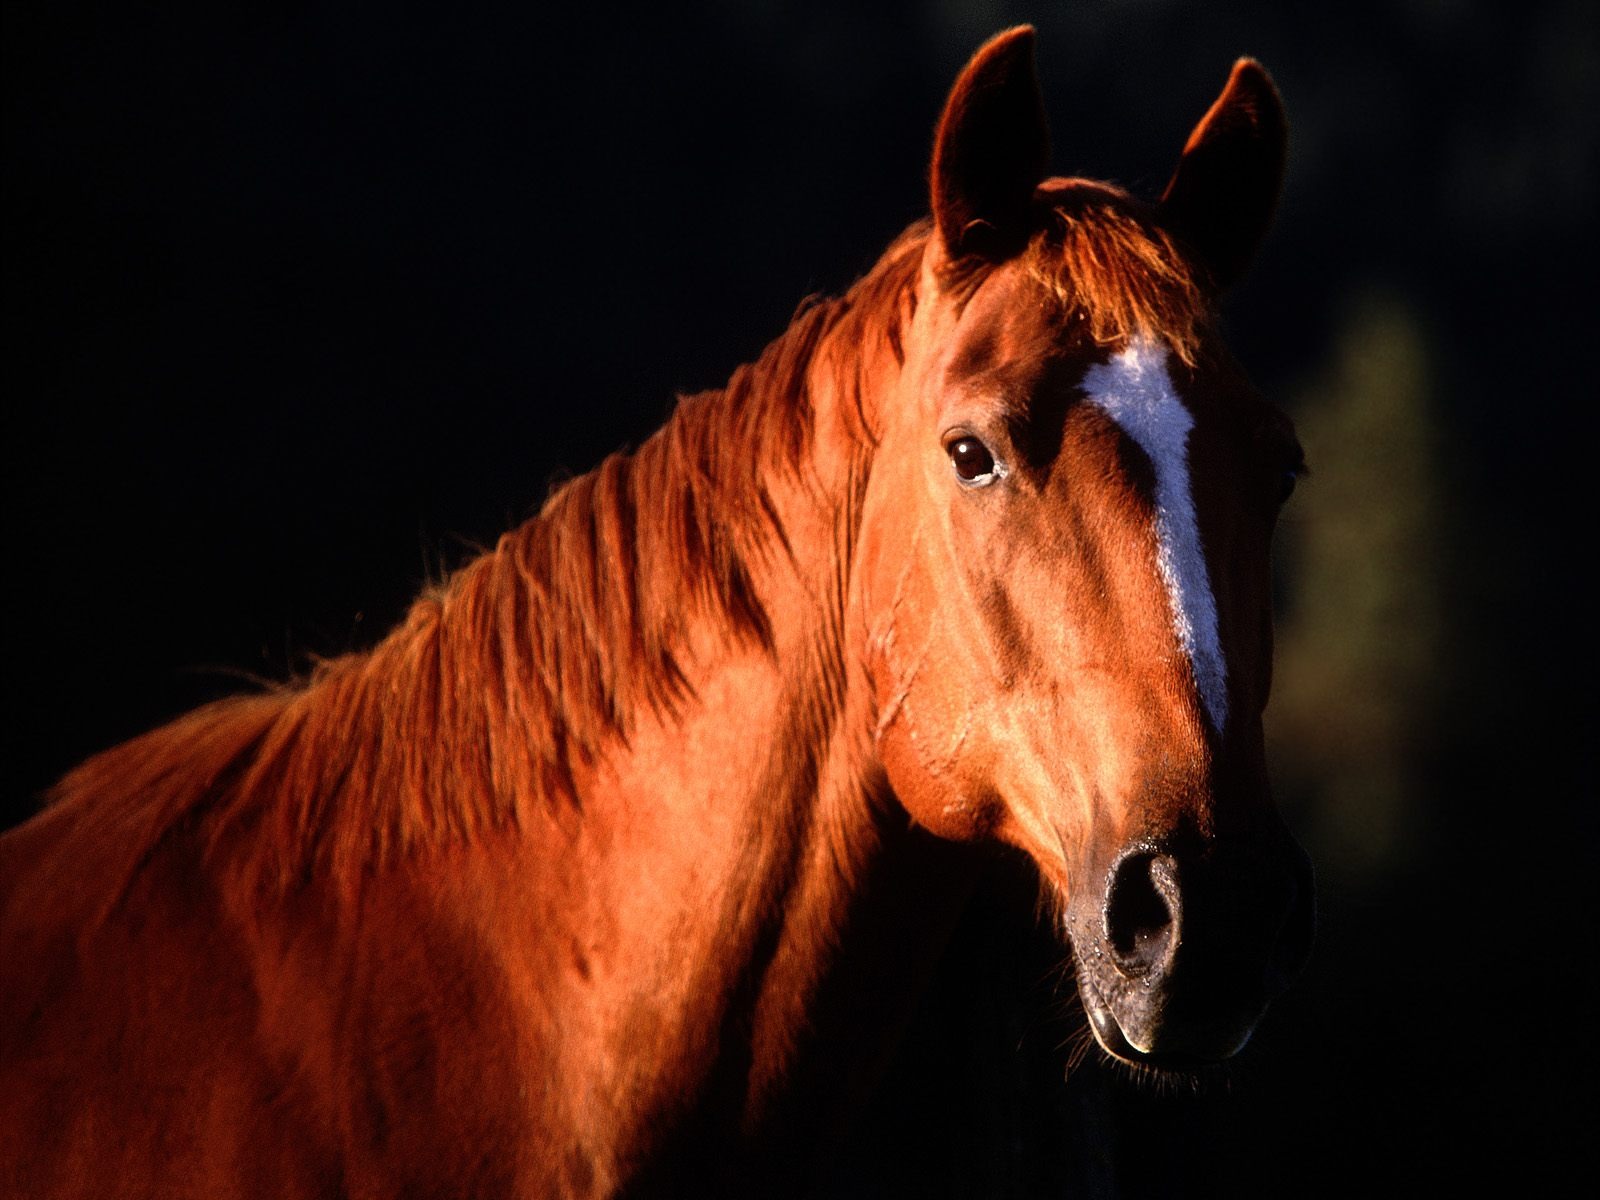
point(971, 459)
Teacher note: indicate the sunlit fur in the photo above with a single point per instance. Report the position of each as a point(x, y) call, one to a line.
point(588, 876)
point(1115, 271)
point(539, 655)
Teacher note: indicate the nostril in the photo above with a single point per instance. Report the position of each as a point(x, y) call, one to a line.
point(1142, 913)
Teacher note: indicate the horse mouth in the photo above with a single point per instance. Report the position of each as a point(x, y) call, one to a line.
point(1110, 1036)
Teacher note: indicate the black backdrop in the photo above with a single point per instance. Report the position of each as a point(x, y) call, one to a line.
point(301, 303)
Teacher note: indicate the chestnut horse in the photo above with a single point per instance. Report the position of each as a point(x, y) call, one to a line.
point(617, 865)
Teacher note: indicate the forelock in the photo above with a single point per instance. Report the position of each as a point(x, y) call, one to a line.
point(1101, 256)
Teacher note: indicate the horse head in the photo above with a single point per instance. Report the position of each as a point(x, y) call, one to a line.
point(1064, 558)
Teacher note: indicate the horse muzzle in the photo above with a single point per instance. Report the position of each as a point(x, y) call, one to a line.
point(1180, 953)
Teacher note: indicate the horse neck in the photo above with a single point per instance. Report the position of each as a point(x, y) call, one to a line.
point(644, 717)
point(738, 862)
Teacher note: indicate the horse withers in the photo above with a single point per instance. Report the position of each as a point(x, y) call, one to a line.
point(617, 865)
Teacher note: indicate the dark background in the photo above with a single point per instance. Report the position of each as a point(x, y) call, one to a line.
point(301, 304)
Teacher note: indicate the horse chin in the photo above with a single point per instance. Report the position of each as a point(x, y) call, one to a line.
point(1187, 1064)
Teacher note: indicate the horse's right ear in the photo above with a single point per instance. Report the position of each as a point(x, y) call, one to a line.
point(992, 148)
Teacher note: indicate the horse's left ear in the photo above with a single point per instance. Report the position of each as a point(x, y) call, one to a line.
point(991, 150)
point(1221, 198)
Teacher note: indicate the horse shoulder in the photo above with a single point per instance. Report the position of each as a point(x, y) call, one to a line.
point(129, 1048)
point(427, 1013)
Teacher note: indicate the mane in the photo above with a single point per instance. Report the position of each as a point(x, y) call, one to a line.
point(475, 712)
point(478, 710)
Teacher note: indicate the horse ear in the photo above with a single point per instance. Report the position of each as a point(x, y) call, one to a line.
point(1221, 197)
point(992, 148)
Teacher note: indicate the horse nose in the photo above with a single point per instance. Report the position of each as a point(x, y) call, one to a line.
point(1190, 940)
point(1157, 914)
point(1144, 913)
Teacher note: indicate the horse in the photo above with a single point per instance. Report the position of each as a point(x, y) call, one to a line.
point(614, 868)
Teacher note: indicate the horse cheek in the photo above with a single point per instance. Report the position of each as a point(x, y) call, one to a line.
point(928, 729)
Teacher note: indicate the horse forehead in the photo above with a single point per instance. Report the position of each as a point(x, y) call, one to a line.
point(1014, 341)
point(1134, 387)
point(1007, 326)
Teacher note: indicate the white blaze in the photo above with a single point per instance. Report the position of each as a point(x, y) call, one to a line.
point(1135, 390)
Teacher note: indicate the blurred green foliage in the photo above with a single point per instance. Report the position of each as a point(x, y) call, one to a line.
point(1360, 649)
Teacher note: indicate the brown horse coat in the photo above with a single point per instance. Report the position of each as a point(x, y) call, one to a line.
point(615, 866)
